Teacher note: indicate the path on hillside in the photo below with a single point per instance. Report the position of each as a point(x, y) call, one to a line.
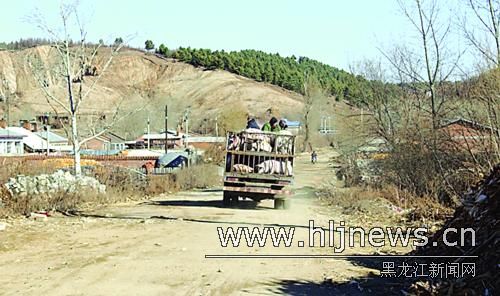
point(159, 248)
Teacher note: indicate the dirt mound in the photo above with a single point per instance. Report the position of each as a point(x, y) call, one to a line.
point(481, 212)
point(141, 78)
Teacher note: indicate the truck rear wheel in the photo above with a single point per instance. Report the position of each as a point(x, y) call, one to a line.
point(229, 198)
point(282, 203)
point(226, 199)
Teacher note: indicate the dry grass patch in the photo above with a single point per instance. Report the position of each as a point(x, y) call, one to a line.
point(386, 202)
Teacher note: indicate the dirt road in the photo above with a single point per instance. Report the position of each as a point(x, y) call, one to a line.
point(158, 248)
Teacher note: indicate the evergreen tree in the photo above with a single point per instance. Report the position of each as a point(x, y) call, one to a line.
point(149, 45)
point(287, 72)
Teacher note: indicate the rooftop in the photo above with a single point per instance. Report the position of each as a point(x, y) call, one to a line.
point(53, 137)
point(463, 121)
point(158, 136)
point(4, 133)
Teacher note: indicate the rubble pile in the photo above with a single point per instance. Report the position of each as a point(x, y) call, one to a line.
point(59, 181)
point(481, 212)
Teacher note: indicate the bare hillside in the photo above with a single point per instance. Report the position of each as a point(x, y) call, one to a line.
point(139, 79)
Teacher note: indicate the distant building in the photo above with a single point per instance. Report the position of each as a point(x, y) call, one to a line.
point(157, 140)
point(32, 142)
point(11, 143)
point(469, 134)
point(106, 142)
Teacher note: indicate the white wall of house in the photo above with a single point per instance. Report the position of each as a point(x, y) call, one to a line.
point(11, 146)
point(114, 146)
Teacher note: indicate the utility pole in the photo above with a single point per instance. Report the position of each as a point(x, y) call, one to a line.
point(216, 128)
point(8, 109)
point(149, 137)
point(187, 131)
point(48, 139)
point(166, 129)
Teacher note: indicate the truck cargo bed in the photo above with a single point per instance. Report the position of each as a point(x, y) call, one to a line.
point(259, 165)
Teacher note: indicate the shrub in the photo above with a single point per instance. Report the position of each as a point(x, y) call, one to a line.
point(215, 154)
point(197, 176)
point(161, 184)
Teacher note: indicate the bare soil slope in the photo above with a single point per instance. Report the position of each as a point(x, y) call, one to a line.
point(139, 77)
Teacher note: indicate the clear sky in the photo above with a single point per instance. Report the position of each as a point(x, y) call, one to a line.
point(337, 32)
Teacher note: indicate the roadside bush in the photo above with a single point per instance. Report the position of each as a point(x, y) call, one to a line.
point(25, 167)
point(349, 172)
point(385, 201)
point(161, 184)
point(215, 154)
point(58, 201)
point(197, 176)
point(442, 173)
point(120, 180)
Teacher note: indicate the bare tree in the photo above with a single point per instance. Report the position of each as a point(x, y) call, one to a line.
point(314, 97)
point(77, 70)
point(484, 107)
point(409, 116)
point(429, 64)
point(382, 99)
point(486, 39)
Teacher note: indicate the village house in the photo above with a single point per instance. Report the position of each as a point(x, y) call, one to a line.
point(469, 134)
point(106, 142)
point(32, 142)
point(11, 143)
point(157, 140)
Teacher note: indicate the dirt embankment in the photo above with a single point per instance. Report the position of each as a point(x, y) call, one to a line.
point(139, 78)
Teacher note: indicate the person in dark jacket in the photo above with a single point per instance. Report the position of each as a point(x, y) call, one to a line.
point(314, 157)
point(252, 123)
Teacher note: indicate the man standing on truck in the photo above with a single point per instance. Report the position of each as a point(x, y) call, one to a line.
point(271, 126)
